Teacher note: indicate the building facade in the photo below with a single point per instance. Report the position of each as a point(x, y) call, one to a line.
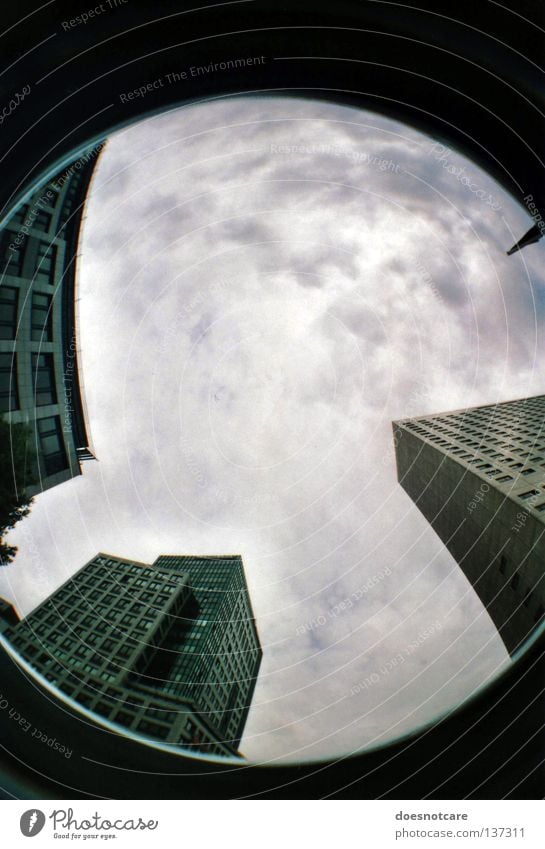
point(478, 477)
point(39, 375)
point(169, 650)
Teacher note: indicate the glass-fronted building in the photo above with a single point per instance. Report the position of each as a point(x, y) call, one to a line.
point(478, 476)
point(39, 375)
point(170, 651)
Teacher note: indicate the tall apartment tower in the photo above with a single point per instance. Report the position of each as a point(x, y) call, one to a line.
point(39, 375)
point(478, 476)
point(169, 650)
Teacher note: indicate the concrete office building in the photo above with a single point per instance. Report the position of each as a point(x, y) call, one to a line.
point(478, 476)
point(39, 375)
point(170, 650)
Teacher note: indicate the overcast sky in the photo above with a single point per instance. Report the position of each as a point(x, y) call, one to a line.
point(264, 285)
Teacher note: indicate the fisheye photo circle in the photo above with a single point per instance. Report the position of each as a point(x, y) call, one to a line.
point(272, 429)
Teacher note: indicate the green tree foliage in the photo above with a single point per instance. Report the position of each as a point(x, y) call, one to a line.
point(17, 464)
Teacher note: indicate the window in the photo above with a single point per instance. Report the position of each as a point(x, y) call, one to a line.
point(42, 221)
point(531, 492)
point(43, 378)
point(8, 312)
point(45, 265)
point(504, 479)
point(527, 471)
point(51, 444)
point(106, 676)
point(12, 257)
point(52, 190)
point(68, 204)
point(41, 317)
point(153, 729)
point(8, 383)
point(124, 718)
point(124, 652)
point(38, 219)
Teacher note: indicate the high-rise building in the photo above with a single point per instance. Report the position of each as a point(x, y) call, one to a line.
point(169, 650)
point(39, 376)
point(478, 476)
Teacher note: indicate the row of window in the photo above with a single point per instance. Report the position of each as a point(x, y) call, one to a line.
point(40, 219)
point(481, 443)
point(119, 572)
point(157, 730)
point(506, 411)
point(48, 429)
point(153, 721)
point(480, 421)
point(137, 617)
point(77, 591)
point(51, 444)
point(13, 256)
point(77, 646)
point(41, 315)
point(480, 461)
point(43, 381)
point(70, 198)
point(105, 561)
point(164, 718)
